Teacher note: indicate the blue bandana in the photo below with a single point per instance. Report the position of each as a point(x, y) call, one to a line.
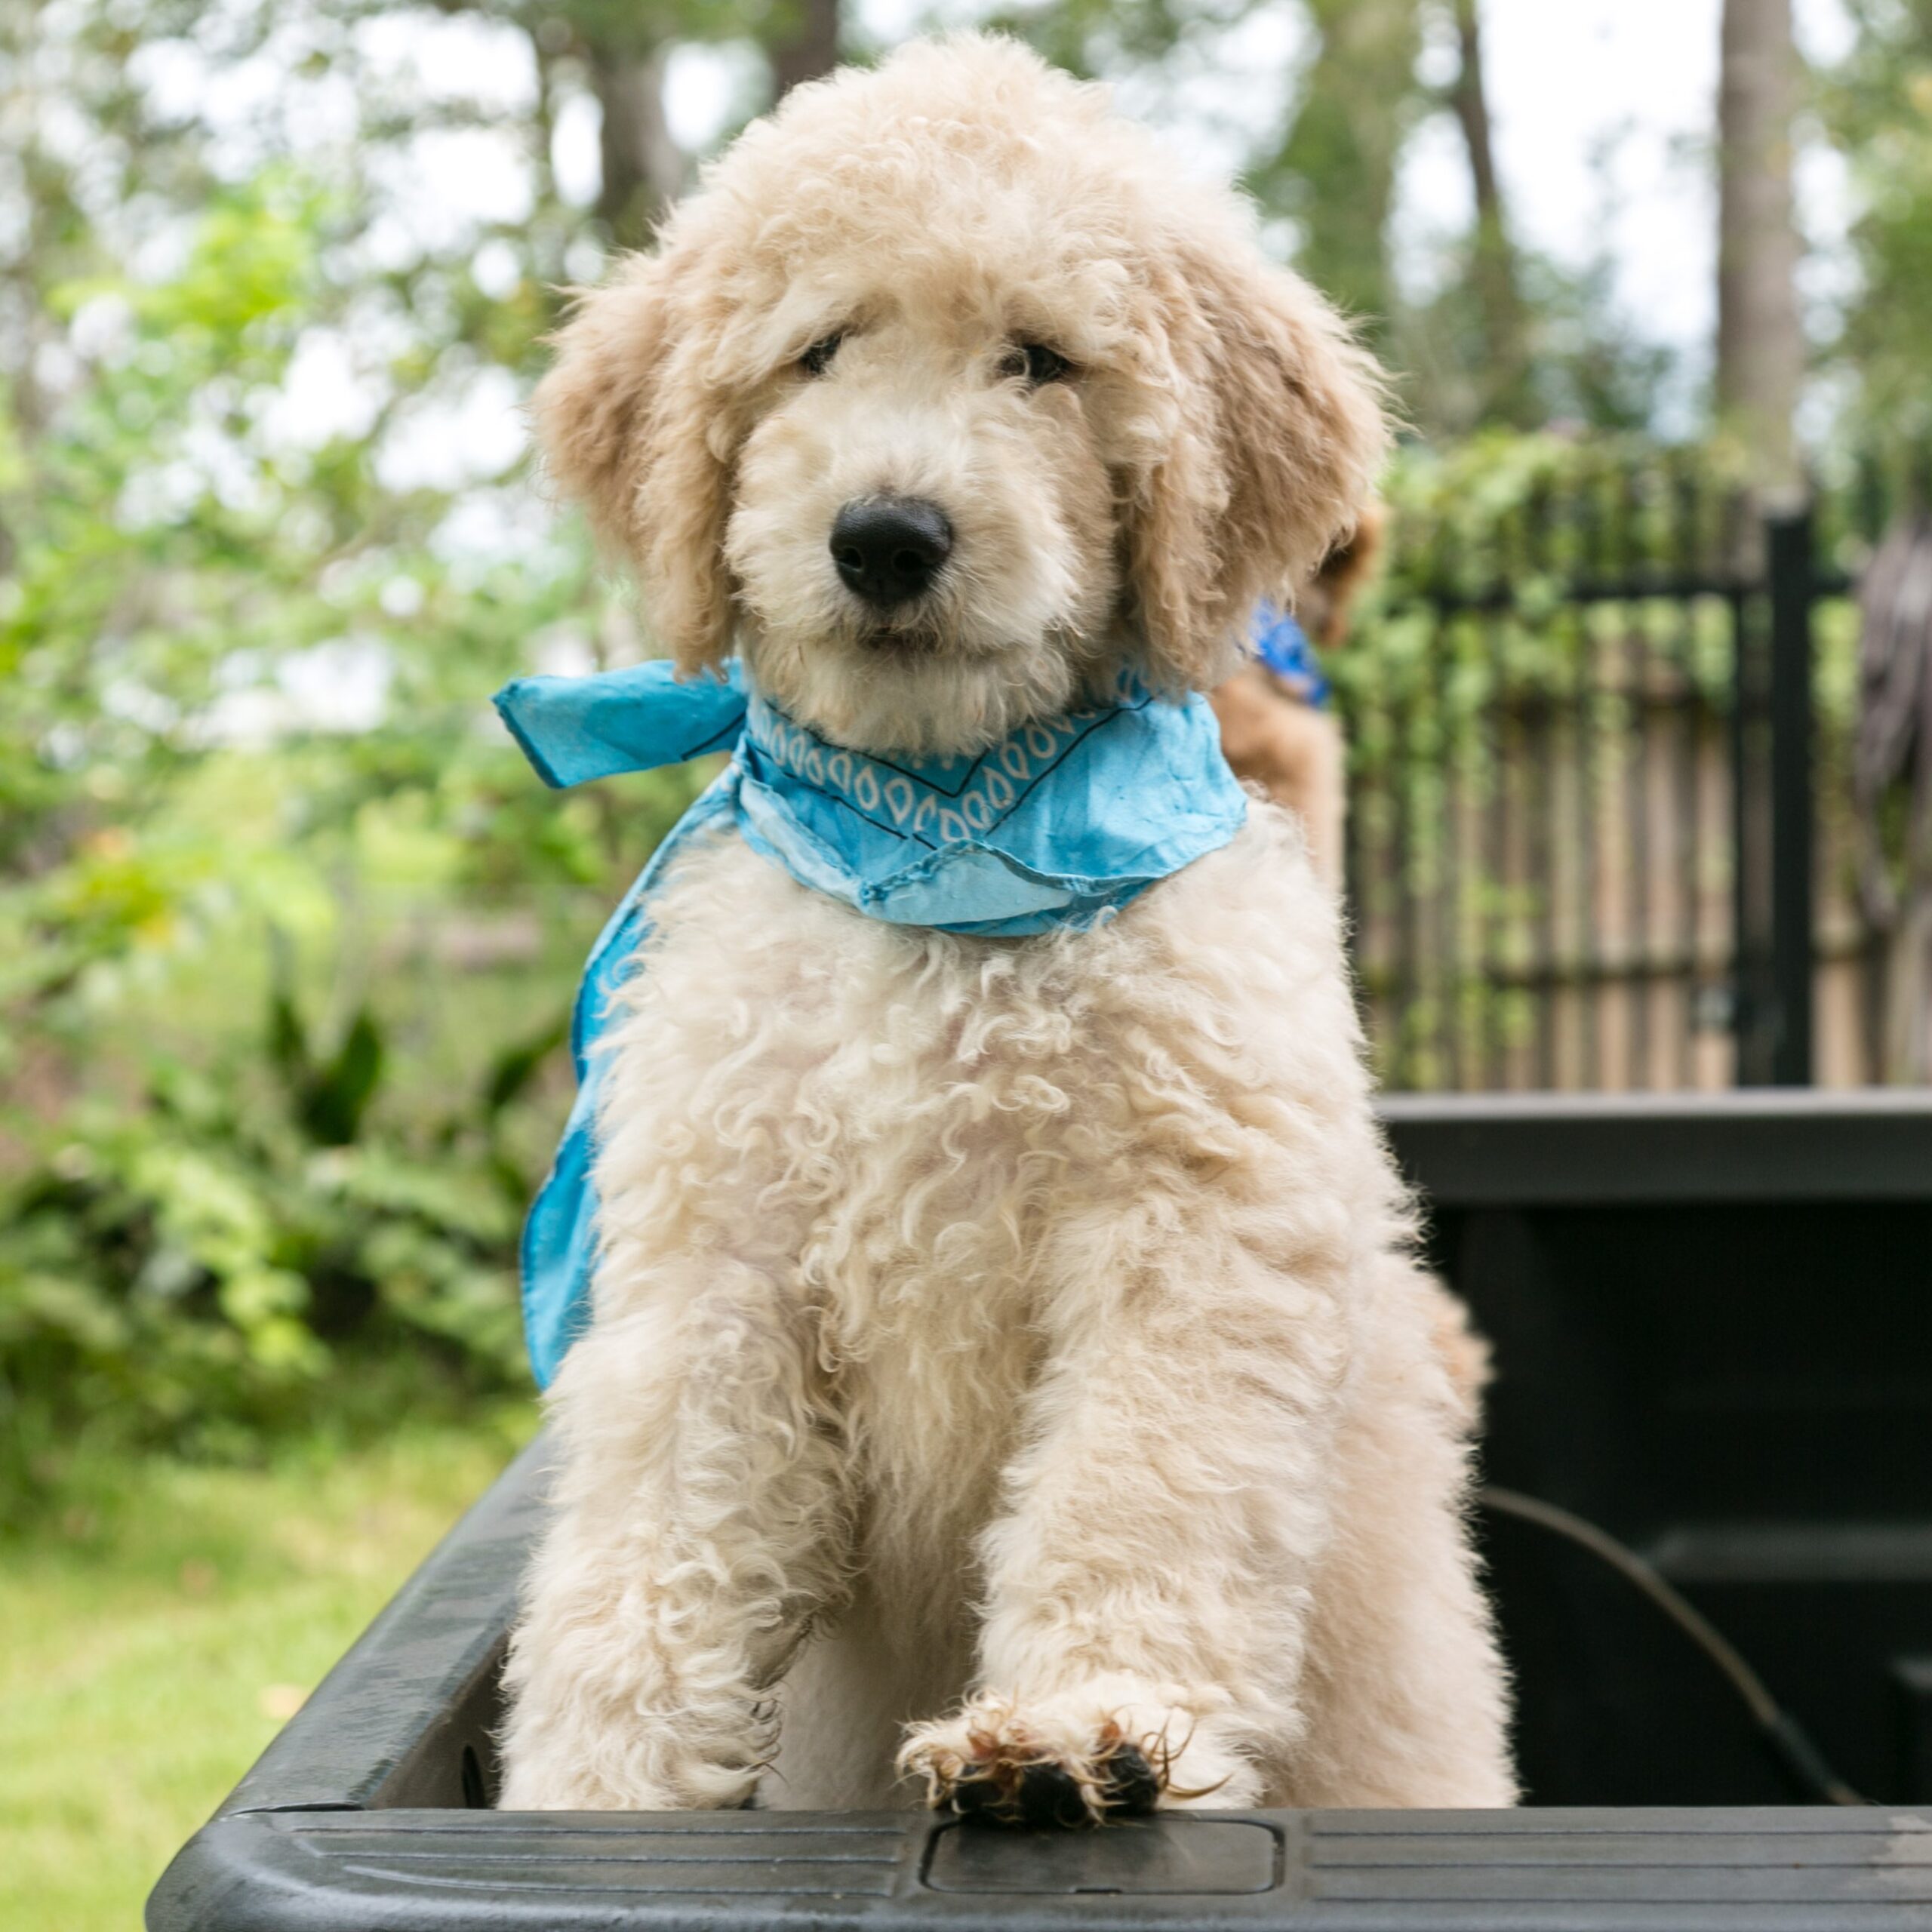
point(1281, 645)
point(1063, 820)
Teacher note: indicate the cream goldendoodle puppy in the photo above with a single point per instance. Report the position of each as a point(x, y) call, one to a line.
point(1007, 1380)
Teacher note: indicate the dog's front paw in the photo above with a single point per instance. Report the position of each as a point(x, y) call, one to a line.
point(1068, 1761)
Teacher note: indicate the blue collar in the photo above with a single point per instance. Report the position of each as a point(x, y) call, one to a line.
point(1065, 820)
point(1280, 643)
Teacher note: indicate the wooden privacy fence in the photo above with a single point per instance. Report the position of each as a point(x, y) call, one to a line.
point(1600, 827)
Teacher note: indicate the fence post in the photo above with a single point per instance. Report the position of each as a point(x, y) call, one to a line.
point(1787, 541)
point(1752, 1022)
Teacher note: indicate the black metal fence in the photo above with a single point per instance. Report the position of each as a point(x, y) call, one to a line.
point(1598, 807)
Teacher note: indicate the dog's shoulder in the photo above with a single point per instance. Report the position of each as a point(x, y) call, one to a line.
point(1259, 892)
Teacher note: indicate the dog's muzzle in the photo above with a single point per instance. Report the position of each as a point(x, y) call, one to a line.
point(888, 549)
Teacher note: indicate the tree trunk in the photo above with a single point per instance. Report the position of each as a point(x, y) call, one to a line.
point(643, 168)
point(1505, 385)
point(1337, 171)
point(805, 45)
point(1761, 346)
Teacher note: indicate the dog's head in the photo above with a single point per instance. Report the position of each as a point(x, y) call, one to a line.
point(944, 398)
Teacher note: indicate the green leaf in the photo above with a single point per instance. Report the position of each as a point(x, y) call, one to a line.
point(338, 1093)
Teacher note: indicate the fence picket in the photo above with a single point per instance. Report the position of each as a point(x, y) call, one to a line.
point(1560, 776)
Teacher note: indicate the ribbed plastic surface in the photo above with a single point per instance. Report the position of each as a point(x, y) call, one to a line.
point(410, 1871)
point(1665, 1368)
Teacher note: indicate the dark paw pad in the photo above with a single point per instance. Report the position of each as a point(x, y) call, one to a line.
point(1034, 1794)
point(1132, 1786)
point(1045, 1795)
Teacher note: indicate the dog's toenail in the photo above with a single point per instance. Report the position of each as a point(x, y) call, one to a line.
point(1049, 1795)
point(1131, 1786)
point(976, 1797)
point(1039, 1796)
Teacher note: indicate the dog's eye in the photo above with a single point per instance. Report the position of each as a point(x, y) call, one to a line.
point(1035, 362)
point(818, 359)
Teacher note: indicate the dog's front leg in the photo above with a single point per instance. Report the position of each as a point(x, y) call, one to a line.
point(698, 1527)
point(1146, 1582)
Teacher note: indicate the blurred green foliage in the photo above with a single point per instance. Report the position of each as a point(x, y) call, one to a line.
point(1876, 107)
point(1542, 668)
point(1334, 172)
point(287, 931)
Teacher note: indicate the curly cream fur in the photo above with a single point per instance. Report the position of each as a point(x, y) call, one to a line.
point(1220, 437)
point(1001, 1350)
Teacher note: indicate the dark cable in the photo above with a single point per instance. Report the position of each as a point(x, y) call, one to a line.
point(1789, 1741)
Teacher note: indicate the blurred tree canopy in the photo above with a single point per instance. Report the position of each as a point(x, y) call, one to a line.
point(286, 932)
point(1877, 107)
point(1334, 172)
point(267, 543)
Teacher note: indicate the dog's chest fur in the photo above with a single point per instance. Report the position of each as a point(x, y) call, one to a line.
point(942, 1256)
point(916, 1135)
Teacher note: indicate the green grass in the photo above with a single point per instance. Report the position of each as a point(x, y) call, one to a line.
point(162, 1621)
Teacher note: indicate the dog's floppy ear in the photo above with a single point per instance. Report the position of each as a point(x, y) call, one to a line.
point(1327, 604)
point(1344, 575)
point(1271, 453)
point(629, 429)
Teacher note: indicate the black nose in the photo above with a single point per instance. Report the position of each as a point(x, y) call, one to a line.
point(889, 548)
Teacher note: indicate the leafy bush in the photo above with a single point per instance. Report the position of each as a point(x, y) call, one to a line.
point(243, 692)
point(208, 1262)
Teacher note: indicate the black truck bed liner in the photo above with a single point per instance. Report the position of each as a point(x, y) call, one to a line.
point(1713, 1321)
